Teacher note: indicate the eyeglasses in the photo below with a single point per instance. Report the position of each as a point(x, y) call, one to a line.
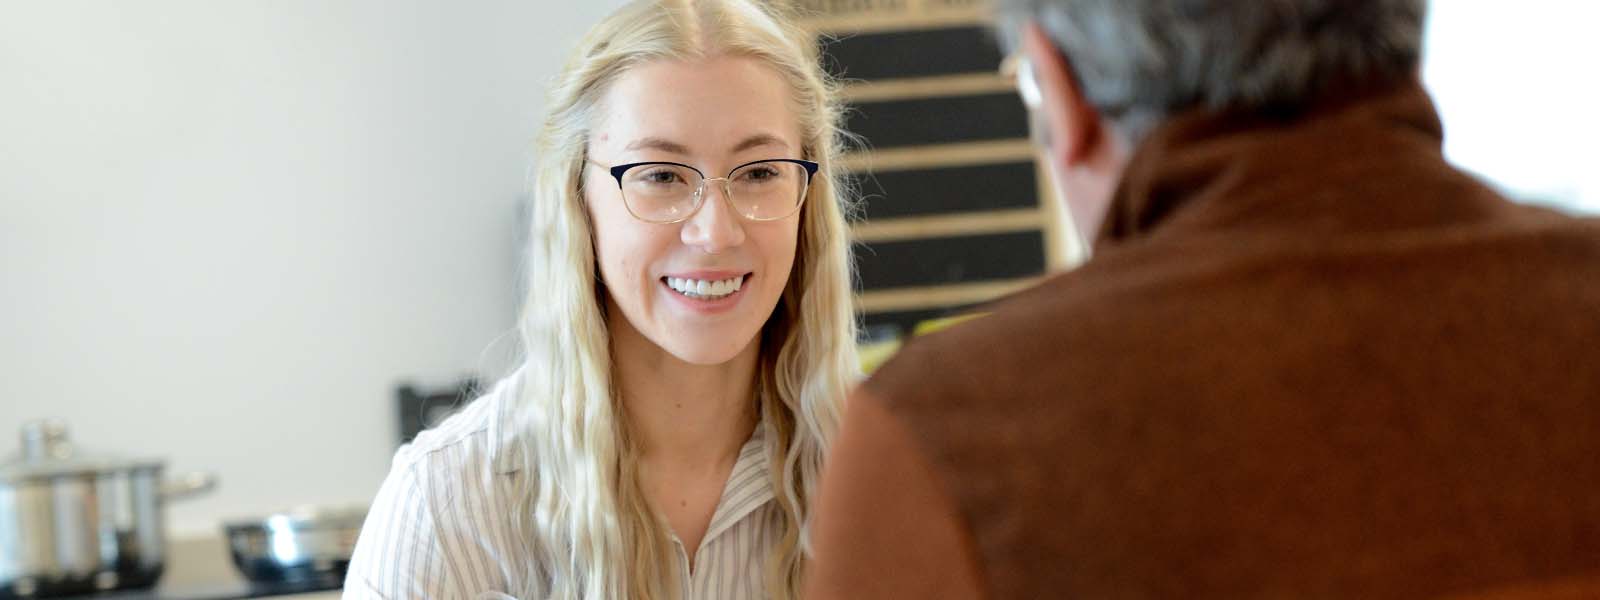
point(668, 192)
point(1019, 70)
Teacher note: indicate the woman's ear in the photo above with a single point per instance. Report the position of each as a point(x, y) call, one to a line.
point(1072, 127)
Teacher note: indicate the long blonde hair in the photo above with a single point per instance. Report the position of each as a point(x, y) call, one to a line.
point(589, 527)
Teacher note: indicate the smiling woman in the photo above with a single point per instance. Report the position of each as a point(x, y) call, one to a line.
point(688, 337)
point(729, 114)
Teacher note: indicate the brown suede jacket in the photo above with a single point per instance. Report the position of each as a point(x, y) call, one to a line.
point(1309, 359)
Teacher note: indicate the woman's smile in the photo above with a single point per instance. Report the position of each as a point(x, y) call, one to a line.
point(706, 292)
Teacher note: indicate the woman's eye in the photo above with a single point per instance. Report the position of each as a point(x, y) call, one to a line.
point(760, 174)
point(660, 177)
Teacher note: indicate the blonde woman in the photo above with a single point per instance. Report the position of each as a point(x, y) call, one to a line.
point(688, 336)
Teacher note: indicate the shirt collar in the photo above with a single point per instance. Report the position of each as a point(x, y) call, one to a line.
point(1207, 167)
point(505, 457)
point(749, 486)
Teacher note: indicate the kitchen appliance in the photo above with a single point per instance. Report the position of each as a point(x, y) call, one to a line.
point(75, 522)
point(309, 545)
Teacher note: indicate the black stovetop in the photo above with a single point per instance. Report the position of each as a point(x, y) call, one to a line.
point(233, 591)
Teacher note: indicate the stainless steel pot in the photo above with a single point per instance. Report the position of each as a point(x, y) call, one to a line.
point(73, 522)
point(307, 545)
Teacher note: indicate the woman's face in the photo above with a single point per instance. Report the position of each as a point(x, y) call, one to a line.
point(714, 115)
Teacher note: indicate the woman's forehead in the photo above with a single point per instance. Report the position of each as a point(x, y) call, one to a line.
point(707, 106)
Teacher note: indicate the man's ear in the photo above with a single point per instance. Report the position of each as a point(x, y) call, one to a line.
point(1073, 125)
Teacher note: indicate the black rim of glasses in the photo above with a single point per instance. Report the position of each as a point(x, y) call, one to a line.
point(810, 167)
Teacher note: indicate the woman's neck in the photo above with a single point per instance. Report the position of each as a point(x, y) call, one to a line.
point(683, 414)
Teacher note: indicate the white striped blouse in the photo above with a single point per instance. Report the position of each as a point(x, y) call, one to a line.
point(440, 526)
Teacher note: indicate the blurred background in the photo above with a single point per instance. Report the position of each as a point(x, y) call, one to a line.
point(231, 230)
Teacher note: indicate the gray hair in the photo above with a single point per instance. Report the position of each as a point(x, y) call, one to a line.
point(1141, 61)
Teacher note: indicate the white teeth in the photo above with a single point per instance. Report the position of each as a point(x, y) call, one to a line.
point(699, 288)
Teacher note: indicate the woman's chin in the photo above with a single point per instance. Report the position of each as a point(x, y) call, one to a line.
point(705, 352)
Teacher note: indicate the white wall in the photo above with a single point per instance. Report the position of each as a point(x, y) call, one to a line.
point(1516, 87)
point(229, 228)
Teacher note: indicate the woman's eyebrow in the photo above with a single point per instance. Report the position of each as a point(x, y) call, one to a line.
point(655, 143)
point(758, 140)
point(665, 145)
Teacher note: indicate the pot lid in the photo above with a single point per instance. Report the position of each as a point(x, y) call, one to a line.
point(47, 451)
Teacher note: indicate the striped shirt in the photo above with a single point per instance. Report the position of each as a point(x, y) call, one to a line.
point(441, 524)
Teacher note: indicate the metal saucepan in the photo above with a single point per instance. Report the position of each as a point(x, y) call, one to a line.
point(73, 522)
point(307, 545)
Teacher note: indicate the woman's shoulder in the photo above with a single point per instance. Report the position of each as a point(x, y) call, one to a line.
point(443, 504)
point(465, 448)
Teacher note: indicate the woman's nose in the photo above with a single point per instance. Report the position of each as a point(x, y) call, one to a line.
point(715, 226)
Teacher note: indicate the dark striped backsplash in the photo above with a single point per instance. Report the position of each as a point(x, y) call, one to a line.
point(945, 190)
point(947, 260)
point(915, 53)
point(939, 120)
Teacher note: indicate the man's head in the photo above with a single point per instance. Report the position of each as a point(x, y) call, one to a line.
point(1109, 71)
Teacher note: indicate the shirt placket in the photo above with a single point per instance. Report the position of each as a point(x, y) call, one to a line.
point(685, 577)
point(695, 584)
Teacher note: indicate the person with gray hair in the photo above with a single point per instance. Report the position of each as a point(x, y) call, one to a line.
point(1307, 358)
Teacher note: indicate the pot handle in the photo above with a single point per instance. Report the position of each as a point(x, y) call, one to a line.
point(188, 486)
